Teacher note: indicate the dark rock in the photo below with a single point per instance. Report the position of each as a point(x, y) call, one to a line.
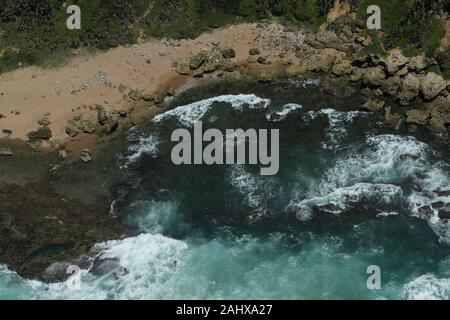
point(444, 214)
point(437, 204)
point(147, 97)
point(197, 61)
point(262, 60)
point(108, 120)
point(87, 126)
point(426, 211)
point(443, 193)
point(71, 128)
point(42, 133)
point(228, 53)
point(102, 266)
point(123, 113)
point(39, 228)
point(254, 52)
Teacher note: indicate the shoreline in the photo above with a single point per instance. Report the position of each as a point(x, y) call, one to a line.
point(131, 83)
point(94, 99)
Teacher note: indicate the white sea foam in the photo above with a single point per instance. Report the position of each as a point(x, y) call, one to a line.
point(427, 287)
point(306, 83)
point(345, 198)
point(381, 163)
point(387, 214)
point(338, 122)
point(146, 263)
point(393, 159)
point(188, 114)
point(283, 112)
point(145, 145)
point(255, 189)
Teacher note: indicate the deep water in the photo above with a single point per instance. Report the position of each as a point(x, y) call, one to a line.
point(350, 193)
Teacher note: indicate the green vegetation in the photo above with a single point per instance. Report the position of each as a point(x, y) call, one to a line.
point(34, 31)
point(412, 25)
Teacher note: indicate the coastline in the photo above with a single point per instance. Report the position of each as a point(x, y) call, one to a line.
point(131, 83)
point(98, 97)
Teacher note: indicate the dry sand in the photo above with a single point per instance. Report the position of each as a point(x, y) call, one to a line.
point(28, 94)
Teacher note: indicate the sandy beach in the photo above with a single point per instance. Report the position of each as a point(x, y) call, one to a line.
point(31, 94)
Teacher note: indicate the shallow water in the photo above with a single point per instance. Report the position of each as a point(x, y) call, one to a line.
point(347, 196)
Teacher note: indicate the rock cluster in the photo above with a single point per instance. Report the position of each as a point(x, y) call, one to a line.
point(206, 61)
point(403, 80)
point(106, 122)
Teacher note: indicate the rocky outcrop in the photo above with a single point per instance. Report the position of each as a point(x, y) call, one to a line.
point(254, 51)
point(228, 53)
point(394, 62)
point(42, 133)
point(108, 120)
point(321, 61)
point(409, 89)
point(391, 85)
point(418, 63)
point(373, 77)
point(432, 85)
point(417, 117)
point(38, 227)
point(197, 61)
point(373, 105)
point(327, 39)
point(343, 67)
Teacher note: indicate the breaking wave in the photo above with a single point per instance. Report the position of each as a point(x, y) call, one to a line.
point(188, 114)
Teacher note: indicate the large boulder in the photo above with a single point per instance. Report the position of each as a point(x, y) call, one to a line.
point(440, 114)
point(182, 66)
point(417, 117)
point(373, 77)
point(344, 67)
point(197, 61)
point(391, 85)
point(330, 40)
point(87, 126)
point(374, 105)
point(409, 89)
point(394, 62)
point(42, 133)
point(228, 53)
point(356, 74)
point(418, 63)
point(109, 120)
point(71, 128)
point(432, 85)
point(321, 61)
